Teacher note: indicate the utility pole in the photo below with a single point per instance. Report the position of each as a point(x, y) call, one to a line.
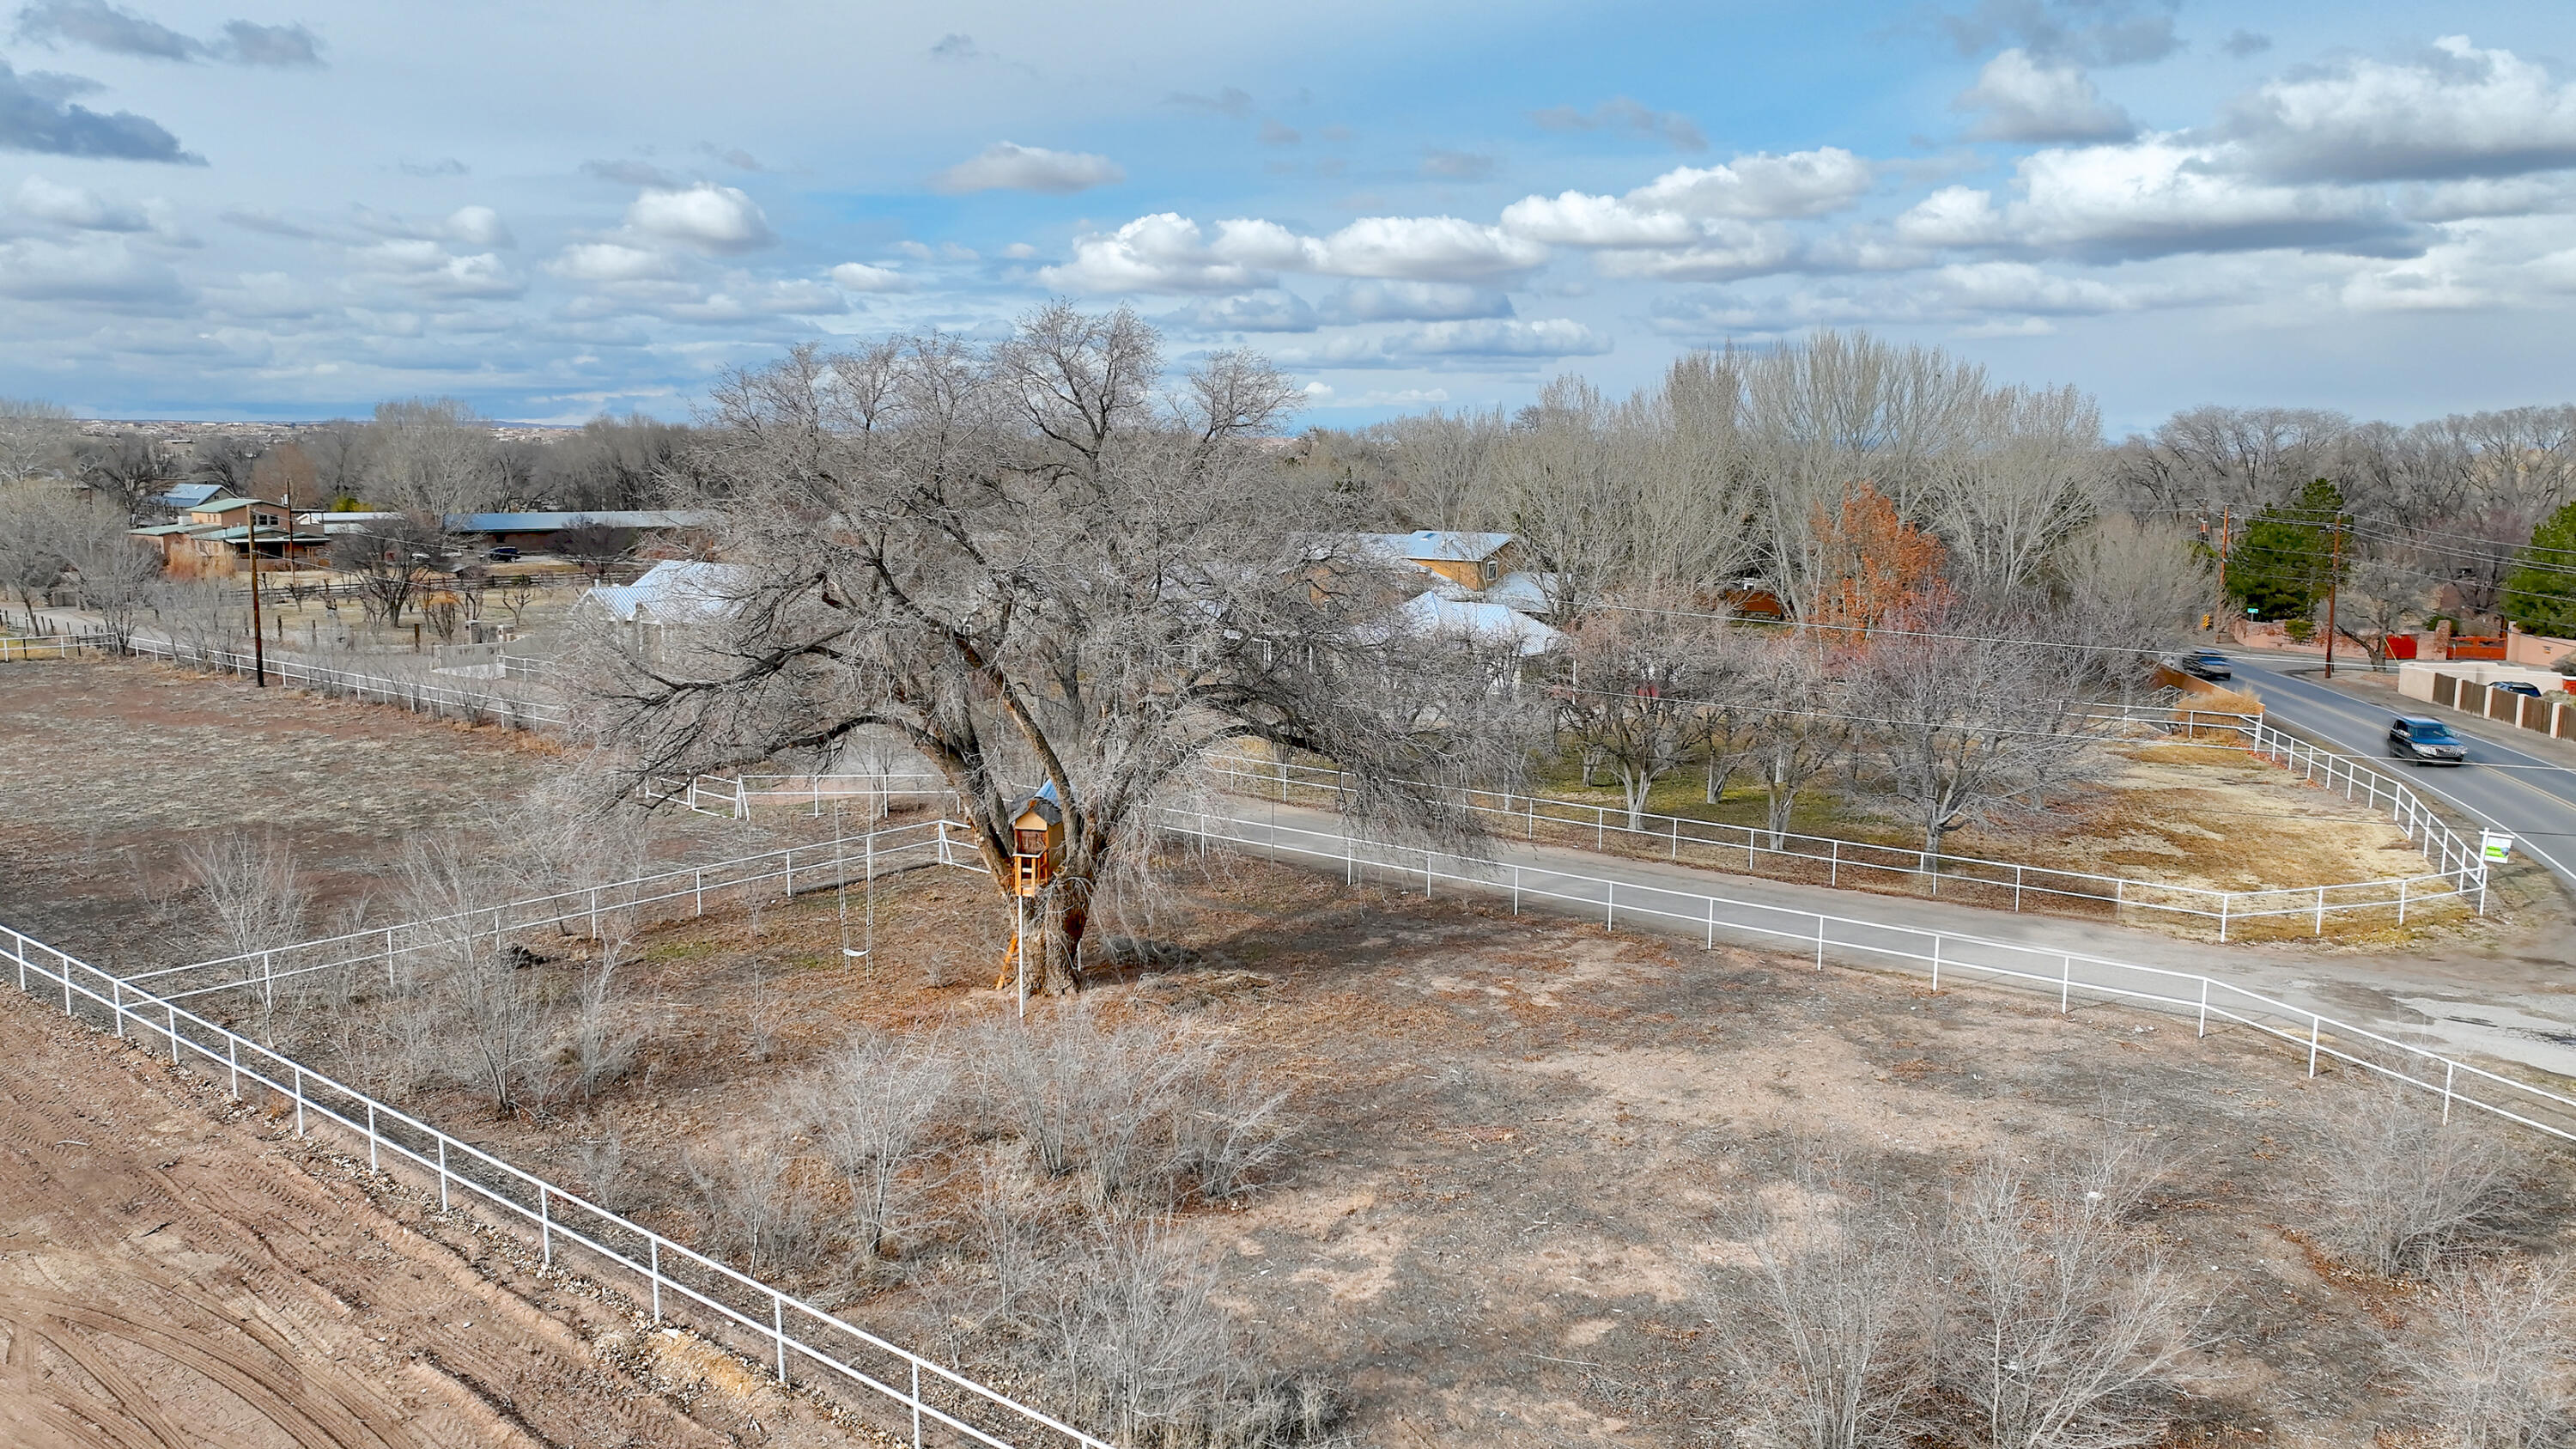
point(258, 648)
point(2225, 519)
point(2334, 569)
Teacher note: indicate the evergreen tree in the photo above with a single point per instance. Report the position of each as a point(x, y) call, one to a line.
point(2540, 595)
point(2281, 568)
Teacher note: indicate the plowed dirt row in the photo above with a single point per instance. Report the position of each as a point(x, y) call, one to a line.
point(172, 1279)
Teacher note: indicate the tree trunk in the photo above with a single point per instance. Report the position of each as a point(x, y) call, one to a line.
point(1063, 914)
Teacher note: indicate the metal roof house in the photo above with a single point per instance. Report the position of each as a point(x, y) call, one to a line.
point(183, 496)
point(1470, 560)
point(1429, 613)
point(674, 591)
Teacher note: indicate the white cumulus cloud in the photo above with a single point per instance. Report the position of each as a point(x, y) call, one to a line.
point(2156, 196)
point(1168, 252)
point(2027, 100)
point(613, 262)
point(1006, 166)
point(707, 217)
point(479, 226)
point(2457, 111)
point(76, 207)
point(860, 277)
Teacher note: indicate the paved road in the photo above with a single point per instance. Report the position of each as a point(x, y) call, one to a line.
point(2531, 796)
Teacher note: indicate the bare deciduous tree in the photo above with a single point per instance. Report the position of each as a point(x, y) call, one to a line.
point(754, 1211)
point(1826, 1327)
point(2060, 1323)
point(256, 896)
point(1034, 571)
point(2395, 1185)
point(391, 560)
point(1975, 726)
point(496, 1020)
point(2032, 475)
point(2134, 584)
point(1639, 679)
point(431, 457)
point(35, 438)
point(2490, 1355)
point(2378, 598)
point(871, 1108)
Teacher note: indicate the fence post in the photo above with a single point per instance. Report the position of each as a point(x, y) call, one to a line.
point(2222, 917)
point(1834, 869)
point(1516, 890)
point(2316, 1029)
point(174, 1033)
point(1711, 902)
point(1610, 906)
point(232, 1058)
point(653, 1247)
point(2065, 982)
point(1820, 941)
point(2449, 1071)
point(916, 1404)
point(2321, 910)
point(698, 883)
point(545, 1227)
point(1936, 961)
point(2204, 1006)
point(116, 1003)
point(778, 1326)
point(299, 1100)
point(372, 1164)
point(2401, 900)
point(442, 1172)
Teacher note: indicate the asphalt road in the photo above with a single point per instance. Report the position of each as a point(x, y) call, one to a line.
point(2531, 797)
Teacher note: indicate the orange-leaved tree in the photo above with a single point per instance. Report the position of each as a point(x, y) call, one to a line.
point(1871, 564)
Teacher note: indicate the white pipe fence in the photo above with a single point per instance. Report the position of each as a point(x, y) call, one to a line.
point(1819, 937)
point(1979, 881)
point(1839, 863)
point(677, 891)
point(799, 1341)
point(474, 705)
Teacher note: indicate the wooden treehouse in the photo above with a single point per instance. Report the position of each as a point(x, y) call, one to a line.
point(1037, 848)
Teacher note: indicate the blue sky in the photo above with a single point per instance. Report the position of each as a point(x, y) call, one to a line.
point(208, 210)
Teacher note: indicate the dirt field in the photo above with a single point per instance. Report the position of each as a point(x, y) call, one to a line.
point(116, 766)
point(1517, 1143)
point(177, 1272)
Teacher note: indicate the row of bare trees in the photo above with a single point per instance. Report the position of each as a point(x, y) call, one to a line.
point(1733, 464)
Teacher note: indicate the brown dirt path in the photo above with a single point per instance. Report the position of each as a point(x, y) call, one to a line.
point(169, 1279)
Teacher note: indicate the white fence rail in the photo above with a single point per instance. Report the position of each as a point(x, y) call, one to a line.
point(796, 1339)
point(476, 705)
point(1947, 954)
point(1716, 845)
point(1838, 863)
point(678, 891)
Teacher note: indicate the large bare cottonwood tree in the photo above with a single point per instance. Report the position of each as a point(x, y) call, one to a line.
point(1036, 567)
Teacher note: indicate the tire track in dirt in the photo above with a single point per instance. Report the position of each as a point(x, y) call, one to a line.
point(168, 1280)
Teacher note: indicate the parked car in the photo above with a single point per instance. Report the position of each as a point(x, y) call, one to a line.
point(503, 554)
point(2518, 686)
point(2426, 742)
point(2205, 664)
